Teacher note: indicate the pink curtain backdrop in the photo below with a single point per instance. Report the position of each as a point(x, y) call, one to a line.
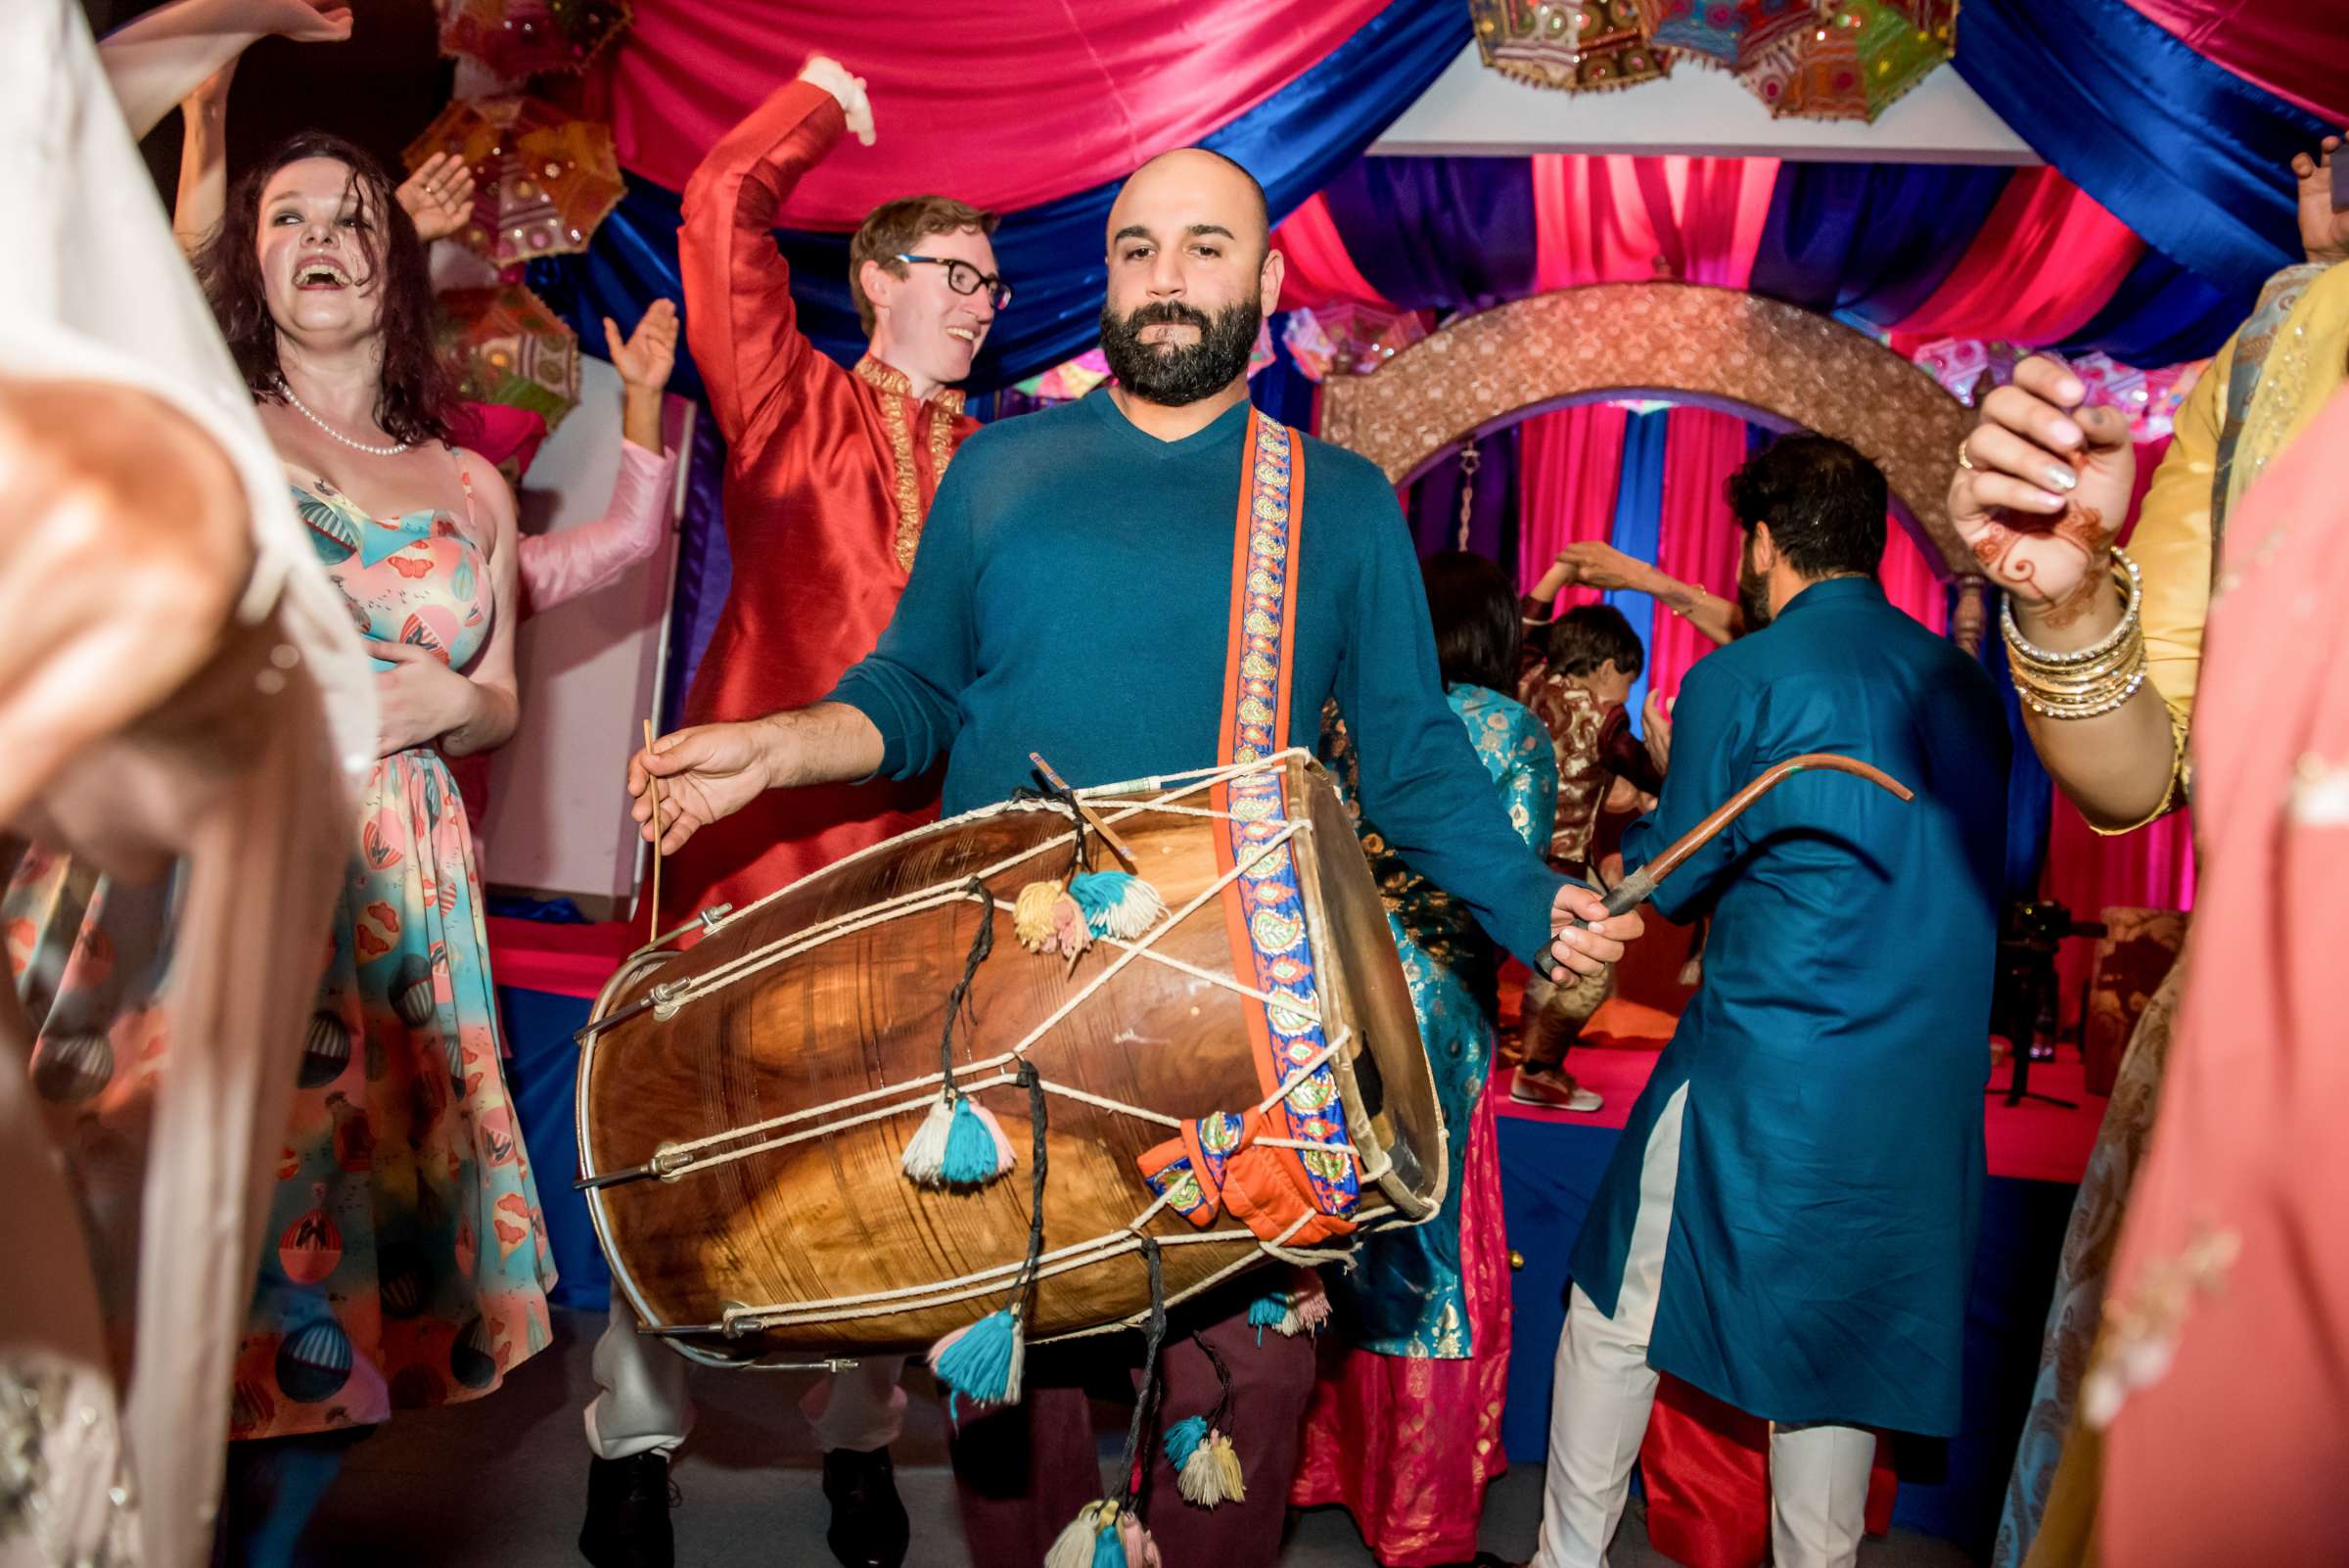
point(1619, 219)
point(2047, 260)
point(1319, 270)
point(1007, 105)
point(1698, 539)
point(1568, 463)
point(2293, 51)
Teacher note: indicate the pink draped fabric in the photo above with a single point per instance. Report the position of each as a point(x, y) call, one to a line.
point(1698, 540)
point(1319, 270)
point(1568, 463)
point(2047, 260)
point(1614, 218)
point(2293, 51)
point(1005, 105)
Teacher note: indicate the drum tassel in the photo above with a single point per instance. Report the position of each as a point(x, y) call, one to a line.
point(960, 1143)
point(1206, 1466)
point(983, 1361)
point(1302, 1308)
point(1109, 1532)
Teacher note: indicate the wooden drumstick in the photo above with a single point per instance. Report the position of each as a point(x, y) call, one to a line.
point(1115, 844)
point(653, 924)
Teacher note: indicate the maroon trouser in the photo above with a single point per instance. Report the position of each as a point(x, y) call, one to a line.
point(1022, 1472)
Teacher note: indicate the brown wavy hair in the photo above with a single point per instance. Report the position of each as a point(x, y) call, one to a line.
point(416, 391)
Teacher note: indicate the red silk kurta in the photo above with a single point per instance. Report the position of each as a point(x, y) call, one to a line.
point(829, 474)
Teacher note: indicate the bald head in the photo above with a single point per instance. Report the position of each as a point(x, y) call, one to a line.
point(1197, 189)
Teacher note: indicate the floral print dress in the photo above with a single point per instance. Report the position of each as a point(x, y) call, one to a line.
point(405, 1264)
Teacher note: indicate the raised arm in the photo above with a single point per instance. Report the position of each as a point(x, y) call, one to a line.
point(577, 561)
point(1601, 565)
point(156, 61)
point(739, 315)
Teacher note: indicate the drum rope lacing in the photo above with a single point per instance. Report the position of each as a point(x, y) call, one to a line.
point(742, 1319)
point(676, 1160)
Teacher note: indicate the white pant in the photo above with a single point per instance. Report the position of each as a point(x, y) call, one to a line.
point(641, 1405)
point(1604, 1390)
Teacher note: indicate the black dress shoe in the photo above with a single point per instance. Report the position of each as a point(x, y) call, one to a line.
point(868, 1523)
point(628, 1513)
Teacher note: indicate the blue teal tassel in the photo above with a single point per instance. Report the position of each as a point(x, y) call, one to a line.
point(975, 1150)
point(1116, 904)
point(983, 1361)
point(1182, 1440)
point(1268, 1310)
point(1109, 1548)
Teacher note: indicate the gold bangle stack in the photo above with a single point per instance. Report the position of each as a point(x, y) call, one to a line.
point(2096, 679)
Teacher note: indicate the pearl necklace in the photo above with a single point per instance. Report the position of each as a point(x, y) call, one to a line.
point(304, 410)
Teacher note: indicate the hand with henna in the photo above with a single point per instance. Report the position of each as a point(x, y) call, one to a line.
point(2048, 491)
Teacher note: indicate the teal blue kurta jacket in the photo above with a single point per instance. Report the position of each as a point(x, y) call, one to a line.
point(1836, 1057)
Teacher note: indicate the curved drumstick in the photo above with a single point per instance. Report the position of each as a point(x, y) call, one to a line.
point(1634, 890)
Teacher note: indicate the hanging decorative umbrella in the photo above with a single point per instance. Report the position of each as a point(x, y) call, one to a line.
point(542, 180)
point(1855, 60)
point(518, 38)
point(1348, 339)
point(516, 351)
point(1583, 47)
point(1736, 33)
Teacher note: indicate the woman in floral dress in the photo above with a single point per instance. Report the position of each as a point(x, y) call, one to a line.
point(1405, 1425)
point(408, 1265)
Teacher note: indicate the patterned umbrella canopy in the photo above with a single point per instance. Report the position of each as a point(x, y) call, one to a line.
point(1855, 61)
point(1577, 47)
point(542, 180)
point(512, 349)
point(518, 38)
point(1731, 33)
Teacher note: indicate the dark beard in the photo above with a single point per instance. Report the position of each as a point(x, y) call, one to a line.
point(1172, 377)
point(1752, 594)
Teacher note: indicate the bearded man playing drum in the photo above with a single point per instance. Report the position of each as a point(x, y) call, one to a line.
point(1073, 596)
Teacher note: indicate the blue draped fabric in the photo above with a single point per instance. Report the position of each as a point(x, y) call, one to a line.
point(2030, 792)
point(2180, 149)
point(1639, 522)
point(1294, 142)
point(2163, 314)
point(1439, 233)
point(1875, 238)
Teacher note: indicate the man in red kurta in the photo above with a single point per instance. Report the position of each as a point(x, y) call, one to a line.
point(829, 476)
point(830, 471)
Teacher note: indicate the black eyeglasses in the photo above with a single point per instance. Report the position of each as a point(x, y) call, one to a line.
point(964, 278)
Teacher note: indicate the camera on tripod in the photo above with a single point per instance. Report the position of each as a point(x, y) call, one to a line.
point(2024, 998)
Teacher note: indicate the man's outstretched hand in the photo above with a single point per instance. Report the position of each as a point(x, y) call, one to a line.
point(1574, 943)
point(705, 772)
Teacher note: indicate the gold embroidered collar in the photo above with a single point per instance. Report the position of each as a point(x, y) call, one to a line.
point(945, 406)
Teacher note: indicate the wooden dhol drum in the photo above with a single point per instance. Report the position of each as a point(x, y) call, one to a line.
point(744, 1105)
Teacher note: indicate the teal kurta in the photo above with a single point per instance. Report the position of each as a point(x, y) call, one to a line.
point(1071, 597)
point(1831, 1173)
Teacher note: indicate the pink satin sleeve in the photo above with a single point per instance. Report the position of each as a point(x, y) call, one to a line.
point(559, 566)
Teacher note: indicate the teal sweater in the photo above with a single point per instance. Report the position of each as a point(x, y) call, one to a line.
point(1071, 595)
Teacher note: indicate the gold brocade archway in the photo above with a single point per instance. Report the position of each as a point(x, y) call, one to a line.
point(1685, 342)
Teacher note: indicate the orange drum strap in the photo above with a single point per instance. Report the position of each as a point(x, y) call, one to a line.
point(1219, 1162)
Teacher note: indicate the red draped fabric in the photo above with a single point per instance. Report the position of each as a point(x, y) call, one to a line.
point(1618, 219)
point(1706, 1470)
point(1320, 270)
point(1909, 580)
point(1005, 105)
point(2293, 51)
point(1568, 464)
point(2044, 263)
point(1698, 539)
